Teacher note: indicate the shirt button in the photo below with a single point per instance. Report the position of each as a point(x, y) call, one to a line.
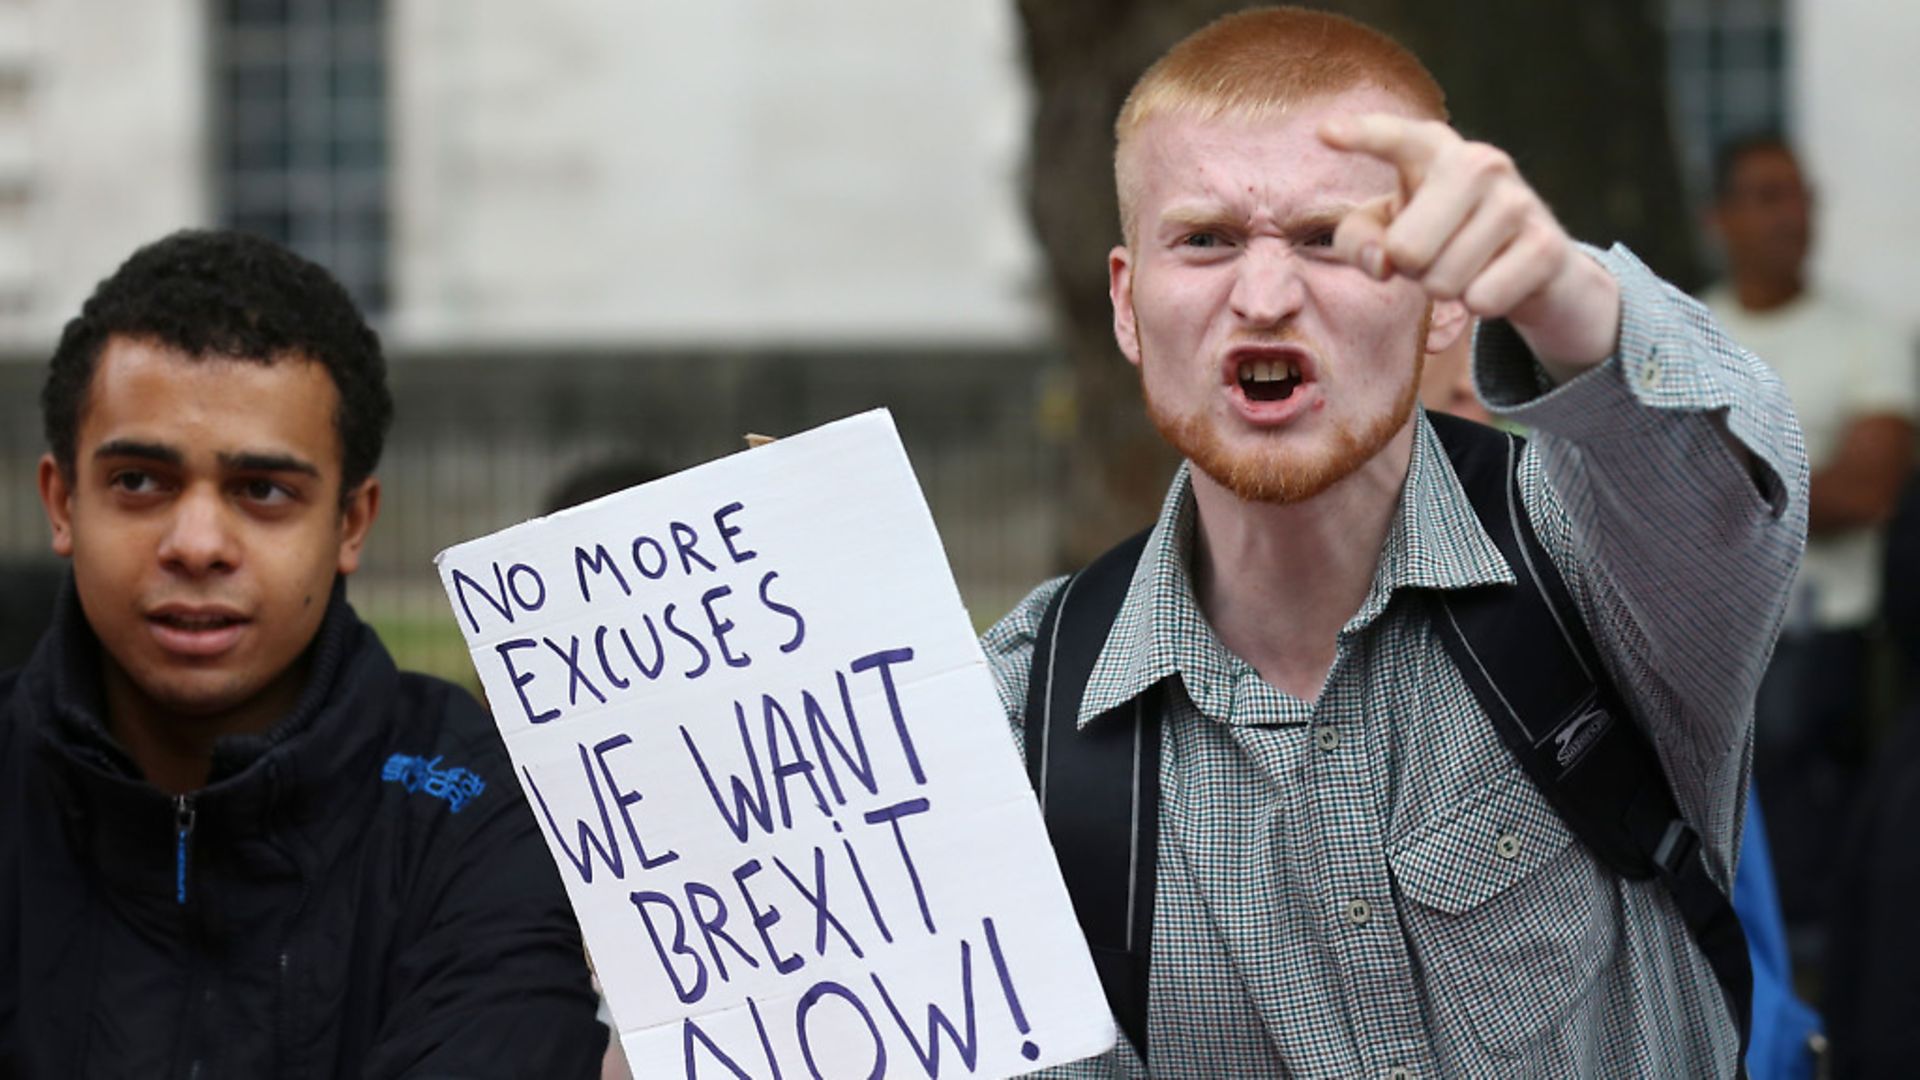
point(1650, 374)
point(1358, 912)
point(1399, 1072)
point(1327, 737)
point(1507, 847)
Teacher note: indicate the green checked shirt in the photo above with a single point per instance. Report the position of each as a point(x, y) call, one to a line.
point(1368, 885)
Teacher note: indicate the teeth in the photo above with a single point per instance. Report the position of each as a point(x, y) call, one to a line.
point(1264, 371)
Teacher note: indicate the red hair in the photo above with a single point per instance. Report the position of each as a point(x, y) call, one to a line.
point(1258, 63)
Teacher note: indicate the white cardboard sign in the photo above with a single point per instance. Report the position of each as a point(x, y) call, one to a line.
point(749, 712)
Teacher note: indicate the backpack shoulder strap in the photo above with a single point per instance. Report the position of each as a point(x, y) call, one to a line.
point(1525, 653)
point(1531, 662)
point(1099, 787)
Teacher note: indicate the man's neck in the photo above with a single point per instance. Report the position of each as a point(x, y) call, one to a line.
point(1277, 583)
point(174, 750)
point(1758, 293)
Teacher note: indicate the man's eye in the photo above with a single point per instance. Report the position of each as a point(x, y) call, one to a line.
point(1320, 239)
point(1202, 240)
point(265, 491)
point(133, 482)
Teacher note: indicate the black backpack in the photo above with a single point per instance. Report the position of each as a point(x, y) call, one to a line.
point(1530, 662)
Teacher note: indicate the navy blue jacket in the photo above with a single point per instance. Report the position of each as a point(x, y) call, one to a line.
point(359, 892)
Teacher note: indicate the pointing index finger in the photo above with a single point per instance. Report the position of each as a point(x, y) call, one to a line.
point(1408, 145)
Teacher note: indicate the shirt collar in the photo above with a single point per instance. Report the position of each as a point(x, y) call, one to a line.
point(1434, 542)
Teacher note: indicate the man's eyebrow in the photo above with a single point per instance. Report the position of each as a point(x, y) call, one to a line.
point(134, 448)
point(1325, 216)
point(264, 462)
point(1320, 217)
point(1195, 218)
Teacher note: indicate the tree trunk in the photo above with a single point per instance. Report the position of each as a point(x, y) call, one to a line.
point(1575, 92)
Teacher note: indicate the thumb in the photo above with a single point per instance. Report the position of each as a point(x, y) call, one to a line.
point(1360, 239)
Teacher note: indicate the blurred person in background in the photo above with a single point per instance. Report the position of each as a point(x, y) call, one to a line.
point(1873, 963)
point(234, 840)
point(1853, 385)
point(599, 479)
point(1354, 877)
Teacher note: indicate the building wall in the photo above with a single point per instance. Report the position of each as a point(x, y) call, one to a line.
point(1855, 92)
point(578, 171)
point(103, 137)
point(617, 229)
point(741, 171)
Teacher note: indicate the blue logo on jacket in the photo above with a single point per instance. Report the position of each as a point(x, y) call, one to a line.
point(456, 785)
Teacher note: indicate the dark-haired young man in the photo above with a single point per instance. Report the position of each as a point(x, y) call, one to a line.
point(234, 841)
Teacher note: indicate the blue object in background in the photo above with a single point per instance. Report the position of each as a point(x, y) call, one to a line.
point(1782, 1023)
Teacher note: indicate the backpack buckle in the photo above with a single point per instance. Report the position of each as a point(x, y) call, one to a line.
point(1676, 848)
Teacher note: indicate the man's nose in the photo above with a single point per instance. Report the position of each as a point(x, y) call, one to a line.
point(1267, 288)
point(200, 538)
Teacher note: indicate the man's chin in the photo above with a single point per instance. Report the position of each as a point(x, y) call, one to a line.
point(1270, 473)
point(1278, 483)
point(195, 695)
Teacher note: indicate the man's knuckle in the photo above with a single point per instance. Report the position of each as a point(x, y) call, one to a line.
point(1444, 285)
point(1545, 243)
point(1512, 206)
point(1483, 297)
point(1406, 255)
point(1486, 163)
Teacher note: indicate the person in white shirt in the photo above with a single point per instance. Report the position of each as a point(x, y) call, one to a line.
point(1853, 385)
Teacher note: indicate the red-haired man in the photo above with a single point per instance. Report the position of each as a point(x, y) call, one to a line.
point(1354, 876)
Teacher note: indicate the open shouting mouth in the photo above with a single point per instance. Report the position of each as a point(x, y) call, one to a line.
point(1271, 382)
point(1268, 380)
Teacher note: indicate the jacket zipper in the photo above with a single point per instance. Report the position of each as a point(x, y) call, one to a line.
point(283, 1038)
point(184, 816)
point(182, 841)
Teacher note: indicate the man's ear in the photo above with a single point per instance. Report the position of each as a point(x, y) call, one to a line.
point(356, 520)
point(56, 495)
point(1446, 321)
point(1120, 291)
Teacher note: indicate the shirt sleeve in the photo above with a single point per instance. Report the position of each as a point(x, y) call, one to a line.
point(1670, 486)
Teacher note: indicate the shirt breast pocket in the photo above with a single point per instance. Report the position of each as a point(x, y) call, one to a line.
point(1507, 914)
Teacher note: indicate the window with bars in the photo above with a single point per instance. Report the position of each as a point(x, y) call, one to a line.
point(1727, 70)
point(301, 131)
